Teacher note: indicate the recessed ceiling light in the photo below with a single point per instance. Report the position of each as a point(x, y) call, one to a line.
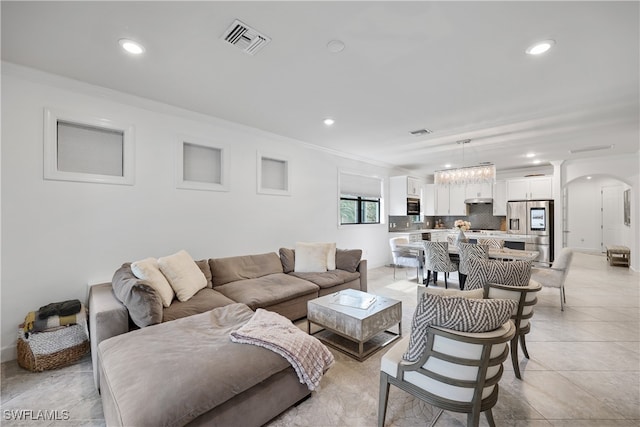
point(132, 47)
point(335, 46)
point(537, 161)
point(329, 121)
point(448, 165)
point(530, 155)
point(540, 47)
point(588, 177)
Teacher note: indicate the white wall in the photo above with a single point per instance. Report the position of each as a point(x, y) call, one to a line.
point(620, 168)
point(59, 236)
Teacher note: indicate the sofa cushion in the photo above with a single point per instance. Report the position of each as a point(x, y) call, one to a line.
point(512, 273)
point(142, 301)
point(457, 313)
point(154, 383)
point(231, 269)
point(288, 259)
point(203, 265)
point(265, 291)
point(147, 269)
point(183, 274)
point(328, 278)
point(204, 300)
point(348, 259)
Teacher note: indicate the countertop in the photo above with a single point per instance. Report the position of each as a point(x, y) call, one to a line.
point(471, 234)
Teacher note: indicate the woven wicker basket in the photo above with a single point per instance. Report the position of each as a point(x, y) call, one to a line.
point(43, 362)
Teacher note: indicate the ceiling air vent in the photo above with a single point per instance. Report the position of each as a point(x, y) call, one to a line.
point(421, 132)
point(593, 148)
point(245, 38)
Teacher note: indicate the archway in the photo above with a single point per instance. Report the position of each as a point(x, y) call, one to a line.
point(593, 213)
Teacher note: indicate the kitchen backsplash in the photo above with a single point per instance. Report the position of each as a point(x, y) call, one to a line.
point(480, 216)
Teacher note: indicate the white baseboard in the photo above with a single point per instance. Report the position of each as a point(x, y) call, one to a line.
point(8, 353)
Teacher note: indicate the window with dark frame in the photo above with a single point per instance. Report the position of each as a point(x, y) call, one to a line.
point(359, 210)
point(360, 198)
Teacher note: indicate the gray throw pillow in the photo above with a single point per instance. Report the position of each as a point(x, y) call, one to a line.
point(142, 301)
point(288, 259)
point(512, 273)
point(203, 264)
point(348, 259)
point(457, 313)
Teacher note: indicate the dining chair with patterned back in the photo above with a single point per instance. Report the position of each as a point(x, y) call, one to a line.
point(509, 280)
point(404, 257)
point(491, 242)
point(436, 259)
point(453, 357)
point(467, 252)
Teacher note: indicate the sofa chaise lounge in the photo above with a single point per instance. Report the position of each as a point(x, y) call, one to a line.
point(183, 353)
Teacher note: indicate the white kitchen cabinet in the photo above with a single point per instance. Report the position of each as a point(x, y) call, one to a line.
point(500, 198)
point(456, 200)
point(429, 199)
point(479, 191)
point(539, 187)
point(442, 199)
point(450, 200)
point(401, 188)
point(414, 187)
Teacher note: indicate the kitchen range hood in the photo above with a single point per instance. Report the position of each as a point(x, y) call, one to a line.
point(479, 201)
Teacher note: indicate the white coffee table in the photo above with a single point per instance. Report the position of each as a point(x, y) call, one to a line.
point(357, 332)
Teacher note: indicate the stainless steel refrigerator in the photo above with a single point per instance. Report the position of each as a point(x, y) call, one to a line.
point(533, 218)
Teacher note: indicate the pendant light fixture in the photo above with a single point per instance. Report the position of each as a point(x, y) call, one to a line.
point(466, 175)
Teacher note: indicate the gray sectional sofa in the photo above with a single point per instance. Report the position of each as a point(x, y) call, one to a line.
point(128, 320)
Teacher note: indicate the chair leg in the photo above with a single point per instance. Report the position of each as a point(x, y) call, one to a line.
point(436, 417)
point(514, 356)
point(462, 278)
point(490, 419)
point(523, 344)
point(428, 278)
point(383, 398)
point(435, 278)
point(473, 418)
point(563, 298)
point(394, 271)
point(446, 286)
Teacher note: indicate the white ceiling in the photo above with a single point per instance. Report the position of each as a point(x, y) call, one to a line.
point(457, 68)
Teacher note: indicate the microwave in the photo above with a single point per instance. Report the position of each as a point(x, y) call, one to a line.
point(413, 206)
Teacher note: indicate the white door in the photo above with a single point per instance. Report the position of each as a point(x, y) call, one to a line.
point(612, 216)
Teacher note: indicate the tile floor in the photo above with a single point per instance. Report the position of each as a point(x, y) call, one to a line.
point(584, 368)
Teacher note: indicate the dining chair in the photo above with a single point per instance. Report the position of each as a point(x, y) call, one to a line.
point(454, 371)
point(436, 259)
point(404, 257)
point(555, 275)
point(509, 280)
point(467, 252)
point(491, 242)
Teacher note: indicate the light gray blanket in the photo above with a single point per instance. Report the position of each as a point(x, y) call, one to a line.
point(308, 356)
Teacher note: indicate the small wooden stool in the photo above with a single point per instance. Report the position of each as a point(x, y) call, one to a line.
point(618, 255)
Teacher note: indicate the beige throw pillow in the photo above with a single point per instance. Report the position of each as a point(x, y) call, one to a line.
point(183, 274)
point(315, 257)
point(147, 269)
point(310, 258)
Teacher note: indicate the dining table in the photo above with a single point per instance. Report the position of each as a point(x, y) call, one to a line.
point(504, 254)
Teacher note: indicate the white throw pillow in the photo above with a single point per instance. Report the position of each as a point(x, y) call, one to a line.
point(331, 255)
point(315, 257)
point(148, 269)
point(183, 274)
